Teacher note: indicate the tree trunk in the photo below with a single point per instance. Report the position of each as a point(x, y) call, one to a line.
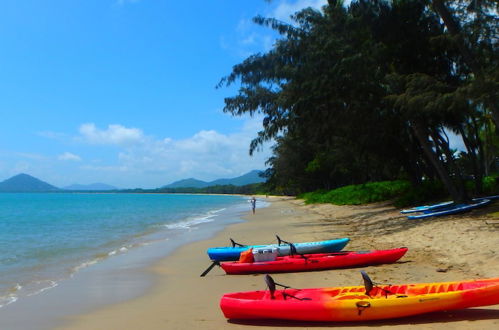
point(457, 195)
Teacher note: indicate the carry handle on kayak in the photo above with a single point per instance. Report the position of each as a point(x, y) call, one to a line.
point(234, 243)
point(271, 284)
point(369, 285)
point(280, 241)
point(293, 251)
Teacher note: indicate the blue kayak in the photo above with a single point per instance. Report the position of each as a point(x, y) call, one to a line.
point(440, 206)
point(451, 209)
point(424, 208)
point(232, 253)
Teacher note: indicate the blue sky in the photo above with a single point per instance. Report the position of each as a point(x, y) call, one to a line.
point(123, 91)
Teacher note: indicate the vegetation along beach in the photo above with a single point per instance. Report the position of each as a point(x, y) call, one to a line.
point(137, 136)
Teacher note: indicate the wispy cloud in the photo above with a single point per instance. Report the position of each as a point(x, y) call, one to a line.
point(141, 160)
point(208, 154)
point(113, 135)
point(285, 9)
point(67, 156)
point(250, 39)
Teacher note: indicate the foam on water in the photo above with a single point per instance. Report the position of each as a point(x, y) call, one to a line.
point(192, 221)
point(52, 237)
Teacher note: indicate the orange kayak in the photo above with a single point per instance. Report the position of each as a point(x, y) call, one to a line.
point(359, 303)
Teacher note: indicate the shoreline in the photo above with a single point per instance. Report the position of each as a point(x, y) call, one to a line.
point(110, 278)
point(442, 249)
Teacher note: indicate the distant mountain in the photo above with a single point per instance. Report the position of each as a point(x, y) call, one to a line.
point(90, 187)
point(248, 178)
point(25, 183)
point(187, 183)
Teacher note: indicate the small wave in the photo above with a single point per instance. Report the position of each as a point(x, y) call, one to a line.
point(7, 299)
point(52, 284)
point(15, 288)
point(190, 222)
point(84, 265)
point(38, 287)
point(10, 296)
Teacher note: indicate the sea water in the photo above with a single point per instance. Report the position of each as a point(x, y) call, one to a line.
point(47, 238)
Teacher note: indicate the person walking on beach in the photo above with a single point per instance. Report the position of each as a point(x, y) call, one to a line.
point(253, 204)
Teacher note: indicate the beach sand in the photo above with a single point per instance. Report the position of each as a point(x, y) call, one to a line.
point(440, 249)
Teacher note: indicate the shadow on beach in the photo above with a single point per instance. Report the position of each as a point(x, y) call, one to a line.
point(437, 317)
point(382, 219)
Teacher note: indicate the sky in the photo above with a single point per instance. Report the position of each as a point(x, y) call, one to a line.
point(123, 91)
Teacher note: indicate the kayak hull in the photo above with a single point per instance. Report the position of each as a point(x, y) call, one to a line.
point(232, 253)
point(448, 210)
point(352, 304)
point(313, 262)
point(443, 205)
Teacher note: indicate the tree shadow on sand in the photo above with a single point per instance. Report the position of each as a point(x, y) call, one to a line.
point(380, 219)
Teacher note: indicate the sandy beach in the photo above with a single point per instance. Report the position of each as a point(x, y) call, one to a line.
point(441, 249)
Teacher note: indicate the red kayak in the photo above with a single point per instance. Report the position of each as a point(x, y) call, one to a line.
point(319, 261)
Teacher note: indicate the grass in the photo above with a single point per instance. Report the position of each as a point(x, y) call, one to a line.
point(359, 194)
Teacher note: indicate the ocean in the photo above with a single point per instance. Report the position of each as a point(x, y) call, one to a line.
point(48, 238)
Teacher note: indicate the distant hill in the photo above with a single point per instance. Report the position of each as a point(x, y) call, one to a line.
point(90, 187)
point(248, 178)
point(25, 183)
point(187, 183)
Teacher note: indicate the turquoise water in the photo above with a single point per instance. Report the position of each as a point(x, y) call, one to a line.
point(46, 238)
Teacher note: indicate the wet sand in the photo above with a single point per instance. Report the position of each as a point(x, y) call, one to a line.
point(441, 249)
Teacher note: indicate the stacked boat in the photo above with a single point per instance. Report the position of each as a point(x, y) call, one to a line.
point(446, 208)
point(316, 261)
point(283, 248)
point(371, 301)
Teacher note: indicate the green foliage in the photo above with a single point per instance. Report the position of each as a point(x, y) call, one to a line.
point(368, 92)
point(427, 191)
point(401, 192)
point(359, 194)
point(250, 189)
point(491, 184)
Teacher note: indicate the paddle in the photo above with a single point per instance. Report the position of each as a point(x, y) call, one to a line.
point(213, 264)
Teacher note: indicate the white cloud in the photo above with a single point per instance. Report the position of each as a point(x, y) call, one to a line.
point(285, 9)
point(113, 135)
point(149, 162)
point(67, 156)
point(251, 39)
point(206, 155)
point(141, 160)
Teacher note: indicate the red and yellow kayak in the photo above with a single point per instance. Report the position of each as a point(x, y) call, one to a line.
point(354, 304)
point(318, 261)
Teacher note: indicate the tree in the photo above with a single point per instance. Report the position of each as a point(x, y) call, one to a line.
point(365, 93)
